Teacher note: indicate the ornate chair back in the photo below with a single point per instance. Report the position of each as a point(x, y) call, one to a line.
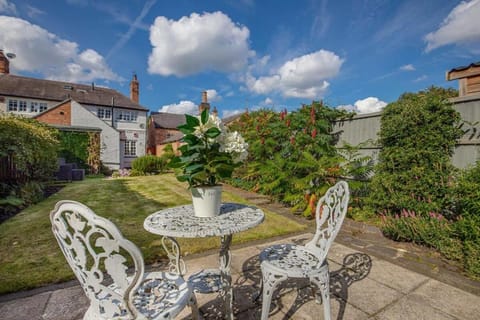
point(329, 215)
point(98, 255)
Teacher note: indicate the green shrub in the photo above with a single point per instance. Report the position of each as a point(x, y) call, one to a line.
point(418, 135)
point(33, 148)
point(148, 164)
point(32, 144)
point(292, 155)
point(31, 192)
point(457, 240)
point(467, 191)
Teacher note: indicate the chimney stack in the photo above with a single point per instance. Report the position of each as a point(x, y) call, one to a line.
point(4, 63)
point(134, 89)
point(204, 104)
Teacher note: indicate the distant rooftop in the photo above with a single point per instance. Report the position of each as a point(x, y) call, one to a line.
point(24, 87)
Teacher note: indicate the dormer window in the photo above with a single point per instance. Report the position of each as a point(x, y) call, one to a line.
point(104, 113)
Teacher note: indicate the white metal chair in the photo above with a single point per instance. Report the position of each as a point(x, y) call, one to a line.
point(283, 261)
point(98, 255)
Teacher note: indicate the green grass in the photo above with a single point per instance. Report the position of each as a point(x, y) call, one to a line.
point(30, 256)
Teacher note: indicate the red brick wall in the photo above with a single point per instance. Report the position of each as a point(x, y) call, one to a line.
point(61, 115)
point(155, 137)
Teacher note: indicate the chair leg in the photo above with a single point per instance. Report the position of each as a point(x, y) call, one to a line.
point(270, 282)
point(257, 295)
point(194, 307)
point(323, 284)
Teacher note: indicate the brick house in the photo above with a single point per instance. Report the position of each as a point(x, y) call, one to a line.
point(162, 128)
point(70, 106)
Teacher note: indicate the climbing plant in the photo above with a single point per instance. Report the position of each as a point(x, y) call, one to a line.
point(74, 147)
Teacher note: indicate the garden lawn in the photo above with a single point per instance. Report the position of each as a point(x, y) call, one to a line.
point(30, 256)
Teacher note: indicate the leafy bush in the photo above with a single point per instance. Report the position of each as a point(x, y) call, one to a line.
point(149, 164)
point(32, 146)
point(292, 155)
point(418, 135)
point(458, 240)
point(467, 191)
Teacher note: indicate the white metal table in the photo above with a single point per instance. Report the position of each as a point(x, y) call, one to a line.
point(180, 221)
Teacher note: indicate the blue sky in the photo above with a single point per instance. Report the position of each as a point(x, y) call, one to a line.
point(245, 53)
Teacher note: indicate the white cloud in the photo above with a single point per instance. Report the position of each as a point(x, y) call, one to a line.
point(460, 26)
point(407, 67)
point(34, 12)
point(421, 78)
point(347, 107)
point(209, 41)
point(268, 101)
point(367, 105)
point(228, 113)
point(7, 8)
point(51, 56)
point(301, 77)
point(212, 95)
point(182, 107)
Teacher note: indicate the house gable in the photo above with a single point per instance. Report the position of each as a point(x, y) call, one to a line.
point(60, 115)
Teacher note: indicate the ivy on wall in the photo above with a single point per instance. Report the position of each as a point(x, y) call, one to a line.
point(93, 158)
point(74, 147)
point(82, 148)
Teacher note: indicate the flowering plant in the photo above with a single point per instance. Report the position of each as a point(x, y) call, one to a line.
point(210, 152)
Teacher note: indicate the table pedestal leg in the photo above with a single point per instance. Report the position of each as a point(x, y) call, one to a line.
point(226, 292)
point(176, 263)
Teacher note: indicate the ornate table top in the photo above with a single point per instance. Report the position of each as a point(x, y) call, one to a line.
point(181, 222)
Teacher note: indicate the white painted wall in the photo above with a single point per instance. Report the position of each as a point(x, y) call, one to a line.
point(109, 137)
point(28, 114)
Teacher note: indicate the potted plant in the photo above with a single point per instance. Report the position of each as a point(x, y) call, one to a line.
point(209, 155)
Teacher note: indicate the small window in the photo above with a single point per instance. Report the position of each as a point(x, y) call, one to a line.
point(104, 113)
point(34, 107)
point(43, 106)
point(130, 148)
point(22, 106)
point(127, 116)
point(12, 105)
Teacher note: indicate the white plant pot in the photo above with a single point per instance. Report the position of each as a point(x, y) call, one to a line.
point(206, 201)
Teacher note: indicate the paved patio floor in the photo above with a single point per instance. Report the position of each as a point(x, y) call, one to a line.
point(371, 277)
point(362, 287)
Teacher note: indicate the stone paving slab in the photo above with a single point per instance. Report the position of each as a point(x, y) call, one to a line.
point(362, 287)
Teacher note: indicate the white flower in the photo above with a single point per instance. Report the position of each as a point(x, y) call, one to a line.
point(233, 143)
point(212, 122)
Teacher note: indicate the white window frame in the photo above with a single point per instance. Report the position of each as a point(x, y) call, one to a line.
point(22, 106)
point(130, 148)
point(12, 105)
point(104, 113)
point(130, 116)
point(43, 106)
point(34, 106)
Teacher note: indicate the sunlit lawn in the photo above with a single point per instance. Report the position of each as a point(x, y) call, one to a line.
point(30, 256)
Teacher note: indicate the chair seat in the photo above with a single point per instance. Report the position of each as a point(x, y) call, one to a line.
point(161, 295)
point(293, 260)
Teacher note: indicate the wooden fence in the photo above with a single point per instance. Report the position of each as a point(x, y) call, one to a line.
point(8, 171)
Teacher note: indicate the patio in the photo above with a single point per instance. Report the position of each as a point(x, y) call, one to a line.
point(364, 285)
point(372, 277)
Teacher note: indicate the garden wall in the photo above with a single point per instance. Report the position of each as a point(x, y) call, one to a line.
point(363, 128)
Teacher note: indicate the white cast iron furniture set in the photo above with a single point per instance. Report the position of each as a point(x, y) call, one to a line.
point(283, 261)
